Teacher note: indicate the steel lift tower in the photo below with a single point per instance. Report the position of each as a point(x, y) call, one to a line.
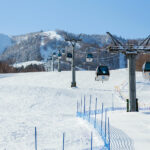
point(131, 51)
point(73, 41)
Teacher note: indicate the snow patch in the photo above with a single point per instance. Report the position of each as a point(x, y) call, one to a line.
point(52, 35)
point(25, 64)
point(46, 53)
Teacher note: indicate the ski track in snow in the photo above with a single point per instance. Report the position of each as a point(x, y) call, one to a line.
point(119, 140)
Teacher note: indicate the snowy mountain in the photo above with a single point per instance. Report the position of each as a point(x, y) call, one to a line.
point(39, 46)
point(5, 42)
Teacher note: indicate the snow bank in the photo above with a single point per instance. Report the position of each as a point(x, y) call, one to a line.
point(52, 35)
point(25, 64)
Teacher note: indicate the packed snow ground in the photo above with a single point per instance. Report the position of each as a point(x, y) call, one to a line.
point(45, 100)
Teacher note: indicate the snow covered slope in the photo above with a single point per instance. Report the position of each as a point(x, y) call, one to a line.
point(46, 49)
point(40, 45)
point(25, 64)
point(5, 41)
point(45, 100)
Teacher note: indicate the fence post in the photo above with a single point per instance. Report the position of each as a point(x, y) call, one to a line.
point(108, 135)
point(90, 108)
point(84, 105)
point(105, 123)
point(35, 139)
point(137, 107)
point(91, 140)
point(95, 112)
point(112, 102)
point(77, 108)
point(127, 100)
point(102, 120)
point(81, 106)
point(63, 141)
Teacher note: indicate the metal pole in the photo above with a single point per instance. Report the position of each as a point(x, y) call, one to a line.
point(132, 82)
point(59, 70)
point(91, 140)
point(73, 83)
point(35, 139)
point(77, 107)
point(105, 123)
point(102, 120)
point(95, 112)
point(81, 105)
point(108, 134)
point(49, 65)
point(90, 109)
point(84, 104)
point(112, 102)
point(53, 62)
point(63, 141)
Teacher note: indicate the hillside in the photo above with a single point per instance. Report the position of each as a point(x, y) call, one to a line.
point(39, 46)
point(5, 42)
point(45, 100)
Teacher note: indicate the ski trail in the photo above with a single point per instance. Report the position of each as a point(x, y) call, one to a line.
point(119, 140)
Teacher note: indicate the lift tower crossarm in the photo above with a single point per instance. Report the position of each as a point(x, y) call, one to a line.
point(131, 52)
point(115, 41)
point(145, 42)
point(129, 49)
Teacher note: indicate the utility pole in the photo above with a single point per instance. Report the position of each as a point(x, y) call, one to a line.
point(73, 42)
point(50, 64)
point(132, 81)
point(53, 62)
point(59, 65)
point(59, 57)
point(131, 52)
point(73, 84)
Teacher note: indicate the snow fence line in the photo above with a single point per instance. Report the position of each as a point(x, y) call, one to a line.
point(36, 145)
point(63, 141)
point(102, 126)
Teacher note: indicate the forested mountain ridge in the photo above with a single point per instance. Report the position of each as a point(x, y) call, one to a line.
point(40, 46)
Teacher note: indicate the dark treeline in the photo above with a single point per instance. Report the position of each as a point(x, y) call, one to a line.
point(6, 68)
point(141, 59)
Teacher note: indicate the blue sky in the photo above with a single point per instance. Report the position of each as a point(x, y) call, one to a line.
point(126, 18)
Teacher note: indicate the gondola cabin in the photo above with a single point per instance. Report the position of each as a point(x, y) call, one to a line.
point(102, 73)
point(146, 70)
point(89, 58)
point(69, 57)
point(59, 55)
point(54, 54)
point(63, 52)
point(50, 58)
